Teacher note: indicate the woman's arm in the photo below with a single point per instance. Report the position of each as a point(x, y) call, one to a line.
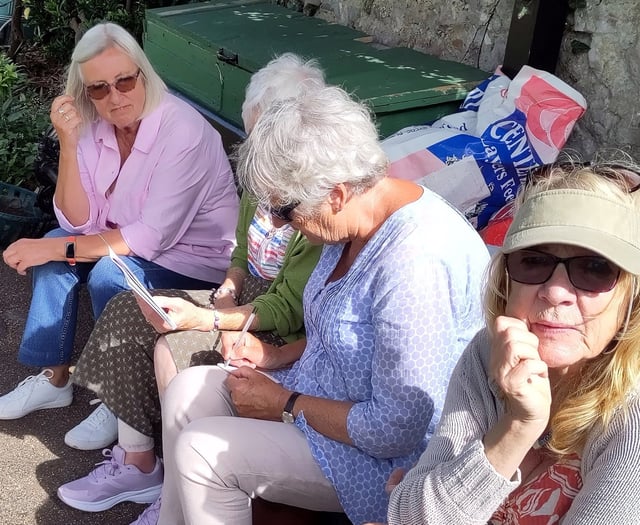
point(26, 253)
point(70, 196)
point(610, 466)
point(280, 308)
point(453, 481)
point(238, 268)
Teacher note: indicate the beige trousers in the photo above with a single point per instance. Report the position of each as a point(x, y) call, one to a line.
point(215, 462)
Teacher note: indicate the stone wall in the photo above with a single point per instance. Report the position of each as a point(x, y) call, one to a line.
point(600, 55)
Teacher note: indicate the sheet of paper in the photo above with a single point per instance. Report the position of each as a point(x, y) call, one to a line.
point(140, 290)
point(231, 368)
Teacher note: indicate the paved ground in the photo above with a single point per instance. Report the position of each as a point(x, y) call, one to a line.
point(34, 460)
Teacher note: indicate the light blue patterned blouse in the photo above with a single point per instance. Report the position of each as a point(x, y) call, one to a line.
point(386, 336)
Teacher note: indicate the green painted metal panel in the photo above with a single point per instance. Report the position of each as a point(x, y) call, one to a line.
point(402, 86)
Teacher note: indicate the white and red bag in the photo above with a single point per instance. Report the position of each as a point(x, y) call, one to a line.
point(478, 158)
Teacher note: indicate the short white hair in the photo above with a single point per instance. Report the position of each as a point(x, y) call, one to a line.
point(301, 148)
point(96, 40)
point(286, 76)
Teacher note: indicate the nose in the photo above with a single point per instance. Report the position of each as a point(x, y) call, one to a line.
point(114, 95)
point(558, 289)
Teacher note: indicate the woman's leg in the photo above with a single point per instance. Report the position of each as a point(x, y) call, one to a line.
point(117, 363)
point(164, 365)
point(47, 341)
point(138, 448)
point(231, 459)
point(51, 322)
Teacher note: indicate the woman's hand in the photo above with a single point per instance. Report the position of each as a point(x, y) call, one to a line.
point(255, 395)
point(66, 121)
point(394, 480)
point(226, 301)
point(520, 373)
point(250, 351)
point(185, 314)
point(25, 253)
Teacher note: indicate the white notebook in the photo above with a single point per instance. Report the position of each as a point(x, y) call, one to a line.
point(140, 290)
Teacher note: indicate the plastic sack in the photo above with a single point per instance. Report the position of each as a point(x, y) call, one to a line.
point(478, 158)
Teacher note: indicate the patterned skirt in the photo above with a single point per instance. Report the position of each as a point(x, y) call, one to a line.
point(117, 361)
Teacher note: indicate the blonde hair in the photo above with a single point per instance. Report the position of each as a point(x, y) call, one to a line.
point(96, 40)
point(590, 397)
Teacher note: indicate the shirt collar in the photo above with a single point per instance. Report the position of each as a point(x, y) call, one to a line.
point(147, 132)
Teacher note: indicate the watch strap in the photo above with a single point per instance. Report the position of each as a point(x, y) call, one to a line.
point(70, 250)
point(288, 408)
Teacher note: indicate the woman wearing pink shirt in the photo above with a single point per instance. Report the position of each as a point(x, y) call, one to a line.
point(140, 170)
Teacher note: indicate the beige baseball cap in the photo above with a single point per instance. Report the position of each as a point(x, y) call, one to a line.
point(579, 218)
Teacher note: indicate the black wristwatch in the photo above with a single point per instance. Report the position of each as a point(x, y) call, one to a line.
point(287, 412)
point(70, 250)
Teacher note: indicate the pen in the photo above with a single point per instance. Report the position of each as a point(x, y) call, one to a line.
point(245, 329)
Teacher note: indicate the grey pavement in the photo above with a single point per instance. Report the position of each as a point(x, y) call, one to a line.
point(34, 460)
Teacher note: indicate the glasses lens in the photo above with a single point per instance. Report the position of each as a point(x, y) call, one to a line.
point(101, 89)
point(284, 212)
point(592, 273)
point(530, 267)
point(98, 91)
point(126, 84)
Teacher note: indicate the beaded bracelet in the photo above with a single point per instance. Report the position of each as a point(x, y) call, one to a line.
point(222, 290)
point(216, 321)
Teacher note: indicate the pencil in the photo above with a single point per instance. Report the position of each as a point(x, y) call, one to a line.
point(244, 331)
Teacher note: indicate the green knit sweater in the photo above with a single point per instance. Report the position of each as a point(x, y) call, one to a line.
point(280, 308)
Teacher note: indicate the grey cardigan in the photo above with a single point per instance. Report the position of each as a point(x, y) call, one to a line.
point(454, 483)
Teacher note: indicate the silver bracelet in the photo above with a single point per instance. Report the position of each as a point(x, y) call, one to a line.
point(225, 290)
point(216, 321)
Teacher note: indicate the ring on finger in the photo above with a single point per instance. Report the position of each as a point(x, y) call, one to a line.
point(60, 110)
point(66, 118)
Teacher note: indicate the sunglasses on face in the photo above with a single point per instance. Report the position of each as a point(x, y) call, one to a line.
point(99, 90)
point(591, 273)
point(284, 212)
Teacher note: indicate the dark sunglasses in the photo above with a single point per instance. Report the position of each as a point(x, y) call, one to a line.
point(591, 273)
point(99, 90)
point(618, 172)
point(284, 212)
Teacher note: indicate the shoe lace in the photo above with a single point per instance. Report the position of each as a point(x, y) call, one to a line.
point(21, 391)
point(151, 514)
point(108, 467)
point(98, 416)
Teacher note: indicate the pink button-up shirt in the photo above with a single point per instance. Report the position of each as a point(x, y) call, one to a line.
point(174, 201)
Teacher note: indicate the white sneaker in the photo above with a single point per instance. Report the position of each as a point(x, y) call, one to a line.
point(97, 431)
point(35, 393)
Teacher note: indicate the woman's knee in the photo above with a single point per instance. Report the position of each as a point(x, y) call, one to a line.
point(197, 392)
point(164, 365)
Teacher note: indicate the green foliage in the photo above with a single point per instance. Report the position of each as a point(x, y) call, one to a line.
point(58, 24)
point(23, 119)
point(9, 76)
point(55, 25)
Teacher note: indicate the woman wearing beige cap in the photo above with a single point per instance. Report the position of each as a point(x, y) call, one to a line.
point(541, 422)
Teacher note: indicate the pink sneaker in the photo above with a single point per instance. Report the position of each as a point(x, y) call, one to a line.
point(111, 483)
point(150, 515)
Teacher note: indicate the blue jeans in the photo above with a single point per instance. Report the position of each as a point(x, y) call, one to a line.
point(51, 324)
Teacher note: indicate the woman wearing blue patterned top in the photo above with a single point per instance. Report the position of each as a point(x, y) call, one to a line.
point(389, 308)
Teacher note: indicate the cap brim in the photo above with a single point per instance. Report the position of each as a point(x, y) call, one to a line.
point(578, 218)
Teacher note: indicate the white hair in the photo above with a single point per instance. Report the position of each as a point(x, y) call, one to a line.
point(286, 76)
point(96, 40)
point(301, 148)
